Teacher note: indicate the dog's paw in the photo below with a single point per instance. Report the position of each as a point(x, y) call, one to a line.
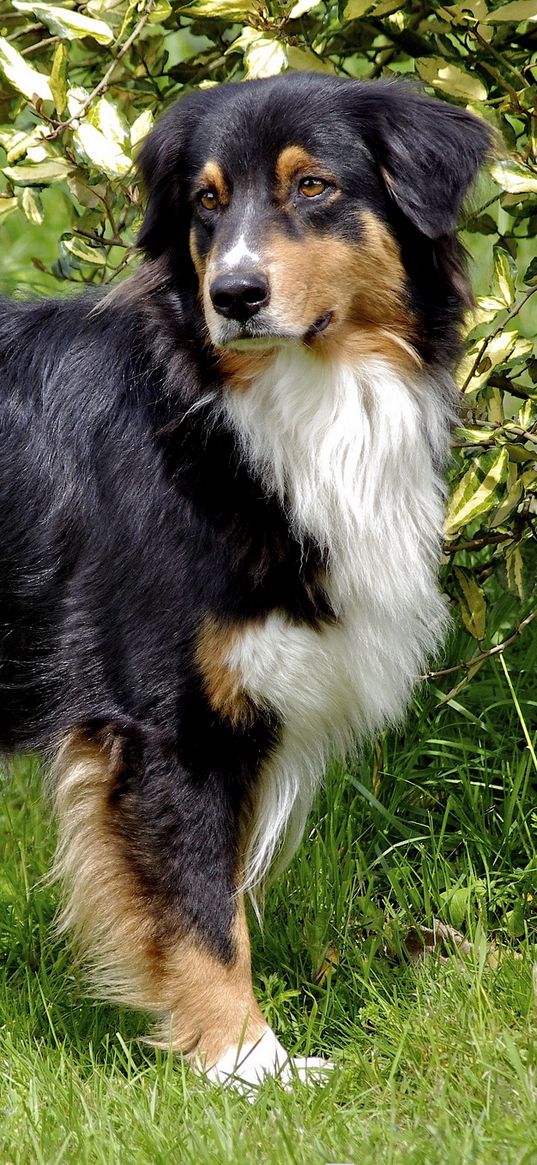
point(244, 1068)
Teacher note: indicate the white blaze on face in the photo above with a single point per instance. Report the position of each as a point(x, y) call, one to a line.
point(239, 255)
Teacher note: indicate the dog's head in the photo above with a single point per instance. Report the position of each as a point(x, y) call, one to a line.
point(310, 207)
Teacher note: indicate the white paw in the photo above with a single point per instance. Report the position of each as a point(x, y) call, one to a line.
point(245, 1067)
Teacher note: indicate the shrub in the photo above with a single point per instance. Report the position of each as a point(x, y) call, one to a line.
point(81, 88)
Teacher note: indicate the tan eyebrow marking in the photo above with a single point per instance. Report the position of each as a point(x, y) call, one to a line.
point(212, 175)
point(293, 160)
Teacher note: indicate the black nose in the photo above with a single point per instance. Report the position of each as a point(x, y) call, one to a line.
point(237, 296)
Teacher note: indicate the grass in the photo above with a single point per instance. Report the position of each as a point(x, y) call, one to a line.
point(437, 1062)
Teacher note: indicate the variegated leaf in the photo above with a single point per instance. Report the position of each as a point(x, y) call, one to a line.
point(478, 489)
point(472, 603)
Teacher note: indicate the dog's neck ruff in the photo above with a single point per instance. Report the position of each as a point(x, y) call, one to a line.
point(352, 454)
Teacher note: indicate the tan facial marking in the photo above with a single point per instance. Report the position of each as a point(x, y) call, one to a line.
point(212, 176)
point(291, 161)
point(197, 259)
point(205, 1005)
point(221, 684)
point(361, 282)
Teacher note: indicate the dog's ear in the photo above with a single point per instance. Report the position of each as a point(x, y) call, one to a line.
point(162, 164)
point(428, 153)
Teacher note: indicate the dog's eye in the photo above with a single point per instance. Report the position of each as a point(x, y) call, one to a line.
point(312, 187)
point(208, 199)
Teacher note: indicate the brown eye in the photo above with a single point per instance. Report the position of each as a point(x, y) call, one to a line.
point(312, 187)
point(208, 199)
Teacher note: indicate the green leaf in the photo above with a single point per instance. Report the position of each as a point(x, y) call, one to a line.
point(499, 349)
point(264, 56)
point(106, 117)
point(515, 12)
point(514, 569)
point(58, 78)
point(472, 604)
point(514, 177)
point(32, 205)
point(67, 23)
point(523, 347)
point(529, 479)
point(518, 454)
point(111, 9)
point(490, 303)
point(21, 143)
point(450, 79)
point(298, 58)
point(474, 435)
point(457, 903)
point(468, 12)
point(503, 280)
point(526, 416)
point(27, 80)
point(39, 173)
point(160, 11)
point(301, 7)
point(230, 10)
point(7, 206)
point(356, 8)
point(141, 127)
point(514, 919)
point(477, 491)
point(511, 500)
point(82, 251)
point(99, 151)
point(530, 276)
point(86, 195)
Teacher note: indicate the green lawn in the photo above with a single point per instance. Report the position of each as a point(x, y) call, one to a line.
point(436, 1063)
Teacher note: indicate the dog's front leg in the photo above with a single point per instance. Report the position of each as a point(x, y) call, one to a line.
point(150, 861)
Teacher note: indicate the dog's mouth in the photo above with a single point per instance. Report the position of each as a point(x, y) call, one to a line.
point(253, 334)
point(319, 326)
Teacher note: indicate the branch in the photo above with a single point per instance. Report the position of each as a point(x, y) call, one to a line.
point(488, 339)
point(526, 434)
point(103, 83)
point(467, 664)
point(477, 543)
point(101, 240)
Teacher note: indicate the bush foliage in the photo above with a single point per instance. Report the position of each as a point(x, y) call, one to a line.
point(79, 90)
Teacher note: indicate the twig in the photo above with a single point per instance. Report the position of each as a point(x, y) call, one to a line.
point(126, 262)
point(103, 83)
point(476, 543)
point(526, 434)
point(40, 44)
point(477, 213)
point(467, 664)
point(488, 339)
point(102, 241)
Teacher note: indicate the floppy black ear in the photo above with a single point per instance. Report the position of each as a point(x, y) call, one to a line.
point(429, 153)
point(162, 163)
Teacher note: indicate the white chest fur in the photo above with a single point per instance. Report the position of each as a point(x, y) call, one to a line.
point(352, 454)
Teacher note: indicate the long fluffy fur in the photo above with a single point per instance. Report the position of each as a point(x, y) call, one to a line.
point(355, 456)
point(220, 516)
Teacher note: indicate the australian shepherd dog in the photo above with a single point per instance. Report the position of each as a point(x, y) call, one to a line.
point(221, 508)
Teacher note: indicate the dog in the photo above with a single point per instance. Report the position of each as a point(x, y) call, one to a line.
point(221, 500)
